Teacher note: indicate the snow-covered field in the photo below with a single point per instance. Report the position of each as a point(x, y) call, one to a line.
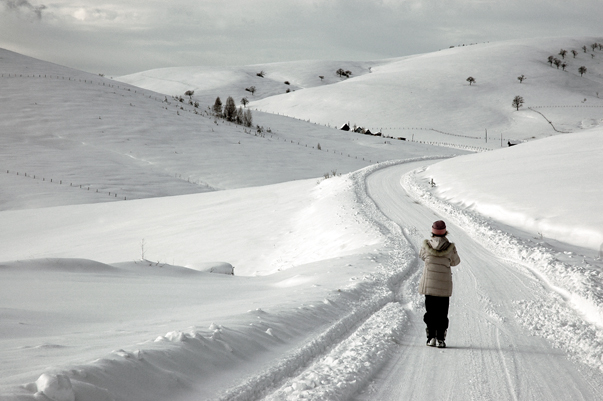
point(123, 211)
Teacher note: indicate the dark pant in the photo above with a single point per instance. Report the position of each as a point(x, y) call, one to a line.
point(436, 317)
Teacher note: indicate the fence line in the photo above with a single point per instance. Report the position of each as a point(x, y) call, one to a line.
point(60, 182)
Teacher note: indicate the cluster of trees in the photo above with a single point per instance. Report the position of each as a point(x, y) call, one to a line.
point(231, 113)
point(593, 46)
point(558, 63)
point(343, 73)
point(181, 99)
point(552, 60)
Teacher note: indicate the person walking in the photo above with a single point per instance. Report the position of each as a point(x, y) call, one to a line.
point(436, 282)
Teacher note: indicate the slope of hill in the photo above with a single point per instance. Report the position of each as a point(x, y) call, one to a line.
point(425, 97)
point(210, 82)
point(431, 91)
point(87, 131)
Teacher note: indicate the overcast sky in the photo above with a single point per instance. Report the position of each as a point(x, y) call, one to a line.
point(119, 37)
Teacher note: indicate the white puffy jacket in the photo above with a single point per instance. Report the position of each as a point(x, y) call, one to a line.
point(439, 255)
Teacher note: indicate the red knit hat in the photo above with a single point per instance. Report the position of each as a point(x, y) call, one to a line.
point(439, 228)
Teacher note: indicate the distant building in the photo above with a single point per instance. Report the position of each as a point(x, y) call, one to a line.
point(345, 127)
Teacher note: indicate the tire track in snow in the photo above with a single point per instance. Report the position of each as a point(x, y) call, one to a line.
point(510, 383)
point(340, 360)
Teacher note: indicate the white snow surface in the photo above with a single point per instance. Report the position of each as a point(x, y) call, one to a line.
point(527, 187)
point(125, 213)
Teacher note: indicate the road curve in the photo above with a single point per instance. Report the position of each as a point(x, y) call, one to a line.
point(490, 355)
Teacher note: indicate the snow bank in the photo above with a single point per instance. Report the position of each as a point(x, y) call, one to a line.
point(549, 188)
point(213, 267)
point(346, 368)
point(55, 387)
point(72, 265)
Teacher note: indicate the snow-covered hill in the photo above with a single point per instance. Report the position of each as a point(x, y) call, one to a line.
point(136, 143)
point(425, 97)
point(116, 202)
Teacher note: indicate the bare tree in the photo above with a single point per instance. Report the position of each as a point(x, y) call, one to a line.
point(517, 102)
point(321, 77)
point(550, 60)
point(244, 101)
point(582, 70)
point(584, 48)
point(575, 53)
point(189, 93)
point(261, 74)
point(521, 78)
point(251, 89)
point(471, 80)
point(557, 62)
point(562, 53)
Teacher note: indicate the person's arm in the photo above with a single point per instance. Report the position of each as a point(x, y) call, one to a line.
point(422, 253)
point(454, 257)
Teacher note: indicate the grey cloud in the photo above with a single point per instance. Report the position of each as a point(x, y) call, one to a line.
point(24, 5)
point(137, 35)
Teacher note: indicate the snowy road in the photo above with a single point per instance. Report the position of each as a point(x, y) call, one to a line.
point(490, 355)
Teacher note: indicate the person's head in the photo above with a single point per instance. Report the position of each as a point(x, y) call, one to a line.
point(438, 229)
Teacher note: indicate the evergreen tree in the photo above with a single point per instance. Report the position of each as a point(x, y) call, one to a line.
point(247, 119)
point(230, 109)
point(217, 109)
point(239, 118)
